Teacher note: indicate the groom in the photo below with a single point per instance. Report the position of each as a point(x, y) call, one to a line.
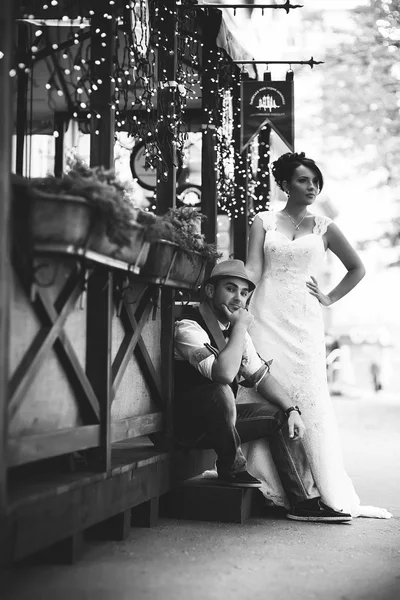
point(213, 354)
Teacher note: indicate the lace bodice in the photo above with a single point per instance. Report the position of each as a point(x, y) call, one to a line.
point(292, 259)
point(288, 264)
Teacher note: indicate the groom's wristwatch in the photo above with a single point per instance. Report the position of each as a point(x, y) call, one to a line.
point(291, 409)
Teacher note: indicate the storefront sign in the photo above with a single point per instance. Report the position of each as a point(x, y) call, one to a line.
point(267, 102)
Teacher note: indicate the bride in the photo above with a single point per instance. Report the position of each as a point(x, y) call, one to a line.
point(286, 249)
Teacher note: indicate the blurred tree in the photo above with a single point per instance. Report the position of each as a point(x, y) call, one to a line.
point(356, 112)
point(361, 94)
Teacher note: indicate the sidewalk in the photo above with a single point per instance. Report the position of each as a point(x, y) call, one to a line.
point(265, 559)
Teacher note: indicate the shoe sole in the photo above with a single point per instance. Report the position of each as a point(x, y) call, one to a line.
point(241, 485)
point(321, 519)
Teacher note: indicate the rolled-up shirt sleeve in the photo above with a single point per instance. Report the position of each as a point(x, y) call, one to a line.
point(253, 368)
point(193, 344)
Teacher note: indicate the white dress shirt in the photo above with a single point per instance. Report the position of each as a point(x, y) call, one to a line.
point(192, 343)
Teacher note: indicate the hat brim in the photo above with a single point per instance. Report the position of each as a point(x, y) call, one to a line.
point(217, 277)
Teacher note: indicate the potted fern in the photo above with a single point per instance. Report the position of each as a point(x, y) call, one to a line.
point(178, 252)
point(88, 208)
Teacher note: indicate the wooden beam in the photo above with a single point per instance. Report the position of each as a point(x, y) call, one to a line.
point(209, 142)
point(132, 427)
point(128, 319)
point(100, 288)
point(29, 448)
point(22, 99)
point(103, 116)
point(166, 193)
point(6, 124)
point(60, 122)
point(166, 106)
point(240, 222)
point(98, 356)
point(157, 382)
point(167, 361)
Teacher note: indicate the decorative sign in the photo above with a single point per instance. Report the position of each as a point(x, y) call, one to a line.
point(267, 102)
point(189, 195)
point(145, 175)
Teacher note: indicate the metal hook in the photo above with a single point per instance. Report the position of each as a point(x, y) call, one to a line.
point(82, 299)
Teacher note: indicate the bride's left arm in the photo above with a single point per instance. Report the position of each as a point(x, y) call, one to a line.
point(255, 254)
point(340, 245)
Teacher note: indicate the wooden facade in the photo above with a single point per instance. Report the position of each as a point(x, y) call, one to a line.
point(86, 345)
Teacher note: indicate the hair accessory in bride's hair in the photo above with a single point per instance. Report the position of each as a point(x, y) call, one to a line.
point(292, 156)
point(284, 167)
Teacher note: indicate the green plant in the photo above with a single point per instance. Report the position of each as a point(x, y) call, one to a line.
point(156, 227)
point(186, 222)
point(103, 190)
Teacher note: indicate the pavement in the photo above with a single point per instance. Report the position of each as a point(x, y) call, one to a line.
point(268, 558)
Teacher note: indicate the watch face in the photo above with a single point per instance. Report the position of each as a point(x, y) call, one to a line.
point(146, 176)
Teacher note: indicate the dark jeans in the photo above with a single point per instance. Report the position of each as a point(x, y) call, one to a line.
point(208, 417)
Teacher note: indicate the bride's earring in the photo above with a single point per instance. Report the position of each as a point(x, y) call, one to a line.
point(287, 194)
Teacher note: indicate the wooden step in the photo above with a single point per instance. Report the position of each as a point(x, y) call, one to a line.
point(202, 499)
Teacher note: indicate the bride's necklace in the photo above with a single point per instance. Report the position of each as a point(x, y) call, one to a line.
point(296, 226)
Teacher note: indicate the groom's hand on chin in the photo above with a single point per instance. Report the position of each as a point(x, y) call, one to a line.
point(241, 316)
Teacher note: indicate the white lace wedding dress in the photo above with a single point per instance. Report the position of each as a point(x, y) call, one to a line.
point(288, 327)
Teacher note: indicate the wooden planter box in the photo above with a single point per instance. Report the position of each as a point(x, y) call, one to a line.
point(65, 223)
point(167, 264)
point(47, 218)
point(135, 254)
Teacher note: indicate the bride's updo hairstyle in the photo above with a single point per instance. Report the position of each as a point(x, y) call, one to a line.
point(285, 166)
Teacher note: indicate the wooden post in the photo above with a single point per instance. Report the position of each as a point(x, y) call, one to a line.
point(166, 185)
point(98, 358)
point(22, 100)
point(240, 223)
point(103, 115)
point(100, 287)
point(264, 184)
point(59, 127)
point(166, 106)
point(6, 124)
point(209, 142)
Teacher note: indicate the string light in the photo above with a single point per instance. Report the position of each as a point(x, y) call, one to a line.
point(135, 100)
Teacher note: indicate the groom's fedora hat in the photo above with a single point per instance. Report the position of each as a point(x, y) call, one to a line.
point(230, 268)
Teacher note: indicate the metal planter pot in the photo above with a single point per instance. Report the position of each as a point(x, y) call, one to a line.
point(167, 264)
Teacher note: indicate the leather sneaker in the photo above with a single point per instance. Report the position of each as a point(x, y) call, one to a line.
point(241, 479)
point(315, 510)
